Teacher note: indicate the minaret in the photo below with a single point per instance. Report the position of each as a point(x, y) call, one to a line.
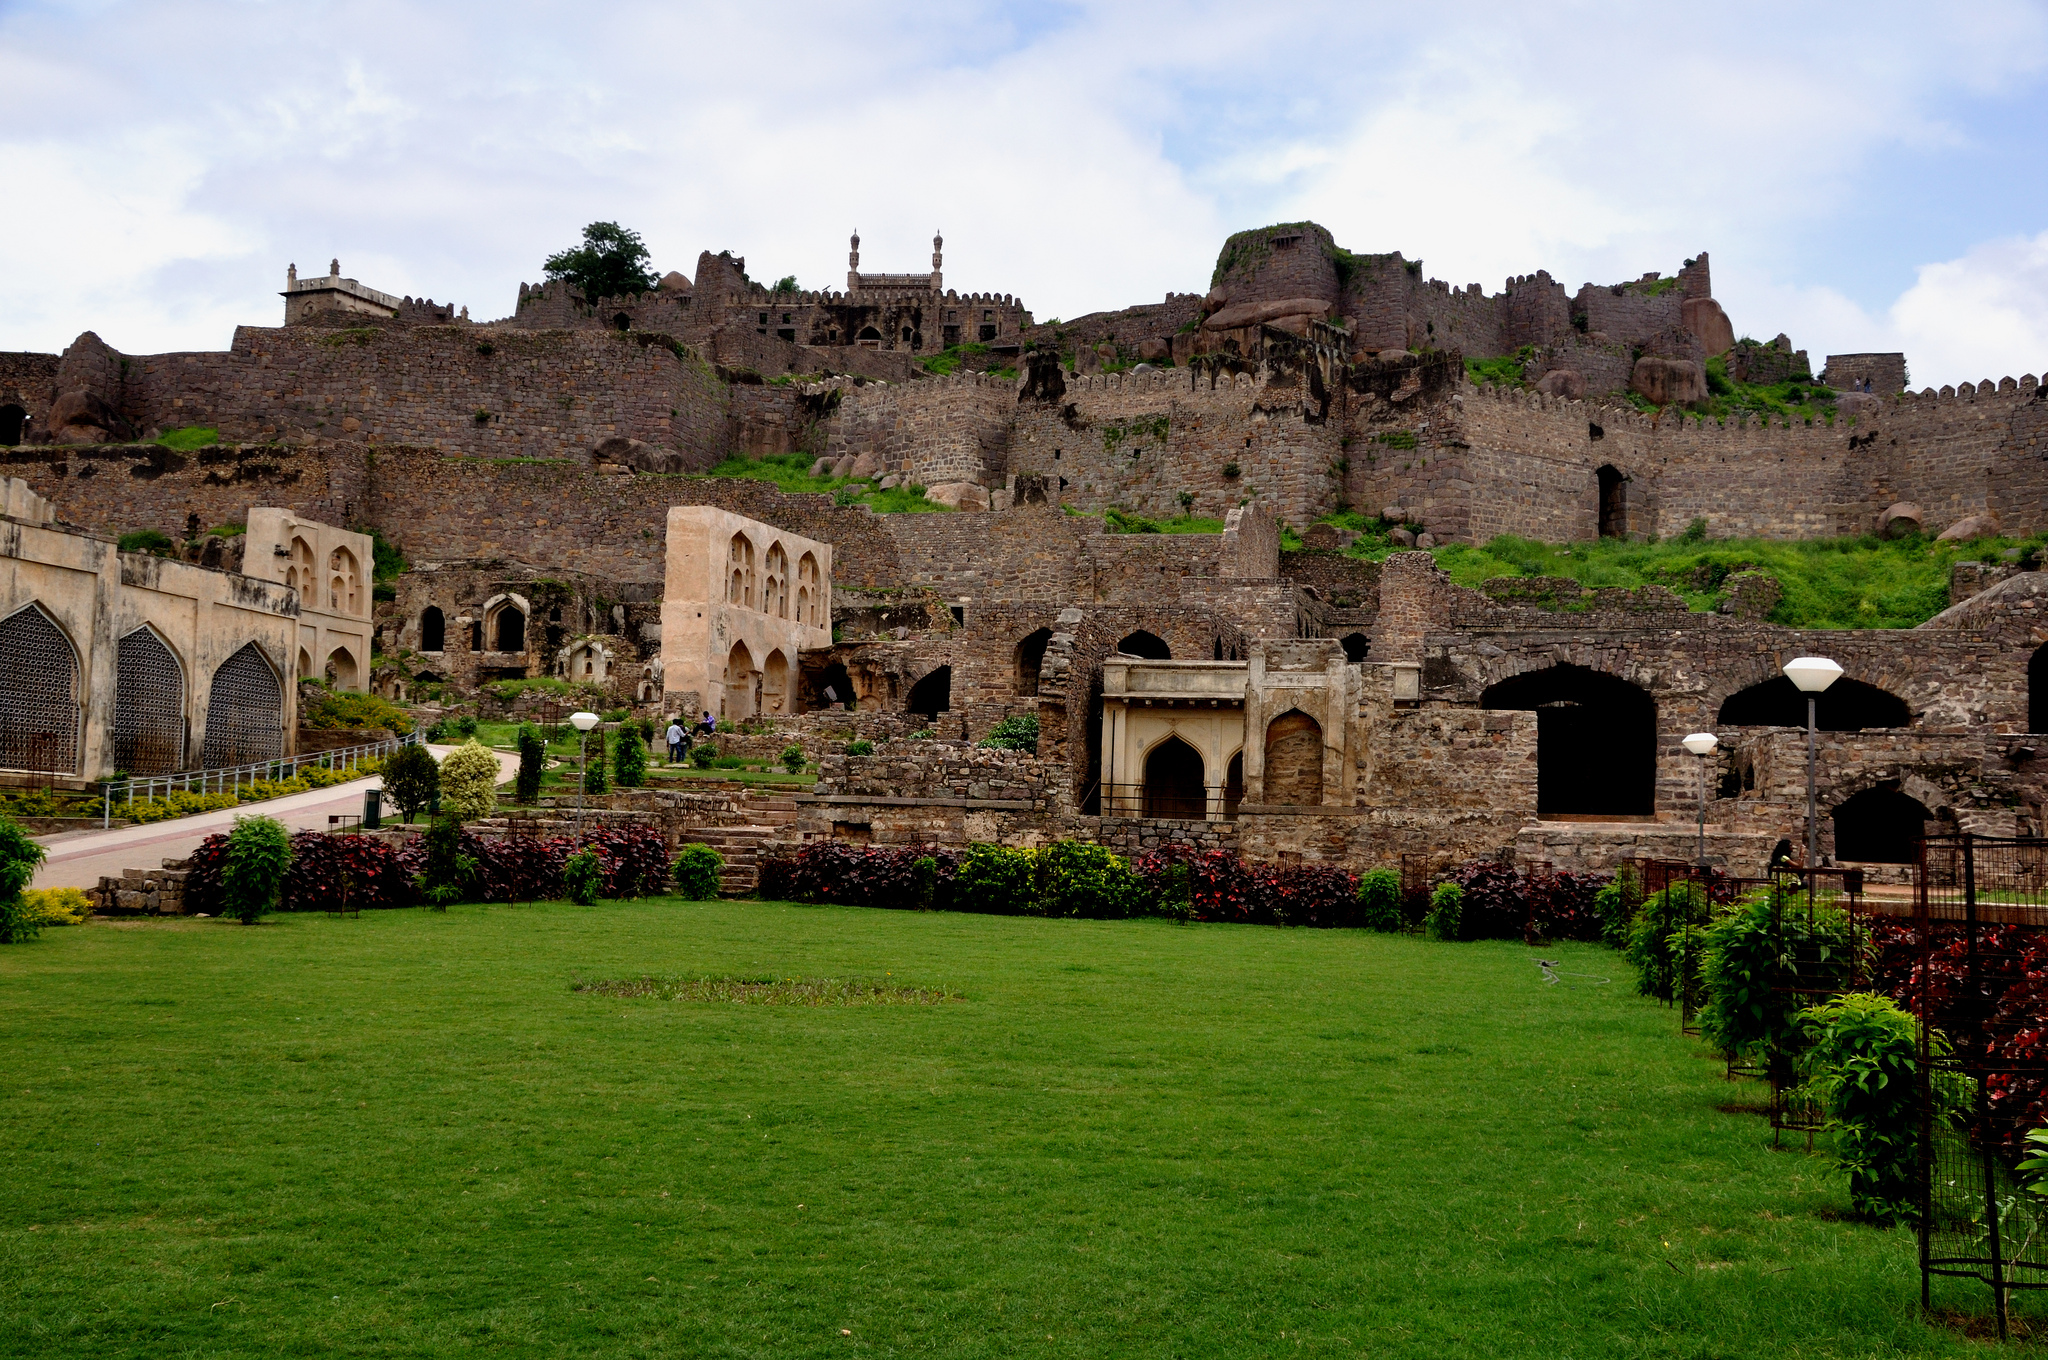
point(853, 264)
point(938, 255)
point(334, 268)
point(291, 277)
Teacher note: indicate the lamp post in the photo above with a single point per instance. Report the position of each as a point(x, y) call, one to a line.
point(1812, 674)
point(582, 722)
point(1702, 744)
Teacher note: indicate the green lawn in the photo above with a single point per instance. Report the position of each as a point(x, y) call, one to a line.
point(404, 1135)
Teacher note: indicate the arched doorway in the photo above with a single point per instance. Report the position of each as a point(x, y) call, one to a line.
point(2037, 690)
point(38, 694)
point(932, 695)
point(1233, 786)
point(869, 338)
point(1147, 645)
point(1613, 502)
point(341, 669)
point(149, 706)
point(244, 711)
point(1880, 826)
point(1845, 706)
point(433, 629)
point(1031, 660)
point(1174, 784)
point(12, 419)
point(835, 679)
point(1596, 740)
point(508, 629)
point(1294, 760)
point(305, 671)
point(775, 683)
point(622, 322)
point(740, 676)
point(1356, 645)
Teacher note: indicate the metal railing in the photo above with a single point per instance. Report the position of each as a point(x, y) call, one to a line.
point(234, 778)
point(1185, 804)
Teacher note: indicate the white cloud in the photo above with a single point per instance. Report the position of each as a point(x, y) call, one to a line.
point(177, 154)
point(1982, 316)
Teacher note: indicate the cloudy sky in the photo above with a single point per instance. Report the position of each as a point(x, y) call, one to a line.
point(1866, 176)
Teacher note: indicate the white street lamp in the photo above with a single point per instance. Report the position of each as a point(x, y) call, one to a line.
point(1812, 674)
point(582, 722)
point(1702, 744)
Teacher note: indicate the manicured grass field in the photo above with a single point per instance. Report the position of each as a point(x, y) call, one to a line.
point(405, 1135)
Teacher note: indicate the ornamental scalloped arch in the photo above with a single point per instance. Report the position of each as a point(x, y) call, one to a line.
point(149, 704)
point(244, 711)
point(40, 711)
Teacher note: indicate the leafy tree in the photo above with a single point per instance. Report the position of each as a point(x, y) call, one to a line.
point(594, 780)
point(19, 857)
point(411, 779)
point(1446, 917)
point(1018, 732)
point(793, 757)
point(259, 853)
point(704, 755)
point(151, 541)
point(1862, 1066)
point(1379, 900)
point(469, 781)
point(611, 262)
point(1658, 941)
point(697, 872)
point(629, 760)
point(583, 877)
point(785, 284)
point(532, 756)
point(450, 875)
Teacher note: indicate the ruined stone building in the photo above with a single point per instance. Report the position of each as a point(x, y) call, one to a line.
point(541, 472)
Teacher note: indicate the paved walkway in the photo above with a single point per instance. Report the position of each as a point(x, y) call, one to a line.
point(79, 859)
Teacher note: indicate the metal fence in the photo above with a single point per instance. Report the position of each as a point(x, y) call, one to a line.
point(233, 778)
point(1979, 952)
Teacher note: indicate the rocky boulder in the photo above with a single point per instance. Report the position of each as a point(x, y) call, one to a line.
point(867, 465)
point(1973, 526)
point(637, 455)
point(958, 495)
point(1668, 382)
point(1704, 318)
point(1266, 313)
point(1900, 519)
point(1154, 351)
point(1568, 383)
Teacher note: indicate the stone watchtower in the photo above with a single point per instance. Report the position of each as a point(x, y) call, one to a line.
point(918, 283)
point(332, 300)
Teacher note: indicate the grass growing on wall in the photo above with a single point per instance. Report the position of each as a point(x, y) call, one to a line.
point(791, 472)
point(1865, 582)
point(410, 1135)
point(189, 437)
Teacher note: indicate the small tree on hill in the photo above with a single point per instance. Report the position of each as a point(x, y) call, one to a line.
point(611, 262)
point(411, 779)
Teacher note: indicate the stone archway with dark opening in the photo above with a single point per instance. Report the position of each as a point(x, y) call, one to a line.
point(1596, 740)
point(1845, 706)
point(1613, 502)
point(1147, 645)
point(433, 629)
point(1880, 826)
point(508, 629)
point(1031, 660)
point(1356, 645)
point(12, 421)
point(835, 679)
point(932, 695)
point(1233, 785)
point(1174, 781)
point(1294, 760)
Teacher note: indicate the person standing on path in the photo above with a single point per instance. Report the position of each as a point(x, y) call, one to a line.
point(675, 741)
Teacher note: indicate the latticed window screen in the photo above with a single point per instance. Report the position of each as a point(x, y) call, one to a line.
point(149, 707)
point(38, 695)
point(245, 712)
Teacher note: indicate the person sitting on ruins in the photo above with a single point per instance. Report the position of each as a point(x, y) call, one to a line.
point(708, 725)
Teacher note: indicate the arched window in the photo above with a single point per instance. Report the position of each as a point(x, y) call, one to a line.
point(1233, 786)
point(1355, 647)
point(38, 694)
point(244, 711)
point(344, 583)
point(775, 683)
point(1031, 660)
point(1845, 706)
point(1880, 826)
point(811, 599)
point(149, 706)
point(740, 681)
point(932, 695)
point(622, 322)
point(1146, 645)
point(1613, 502)
point(1596, 740)
point(1174, 785)
point(775, 583)
point(508, 629)
point(1294, 760)
point(341, 669)
point(433, 629)
point(740, 560)
point(305, 671)
point(12, 419)
point(298, 572)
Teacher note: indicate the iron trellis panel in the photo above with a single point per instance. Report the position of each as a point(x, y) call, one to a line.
point(38, 695)
point(245, 712)
point(149, 706)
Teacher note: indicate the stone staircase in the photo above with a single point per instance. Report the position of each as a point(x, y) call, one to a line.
point(771, 822)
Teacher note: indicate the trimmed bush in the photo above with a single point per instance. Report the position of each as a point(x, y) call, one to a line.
point(698, 870)
point(629, 762)
point(449, 875)
point(1502, 904)
point(594, 774)
point(342, 873)
point(19, 858)
point(412, 777)
point(258, 855)
point(1862, 1068)
point(1612, 905)
point(1379, 900)
point(1088, 881)
point(998, 879)
point(533, 754)
point(924, 882)
point(469, 782)
point(704, 755)
point(1446, 913)
point(1656, 938)
point(793, 758)
point(56, 906)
